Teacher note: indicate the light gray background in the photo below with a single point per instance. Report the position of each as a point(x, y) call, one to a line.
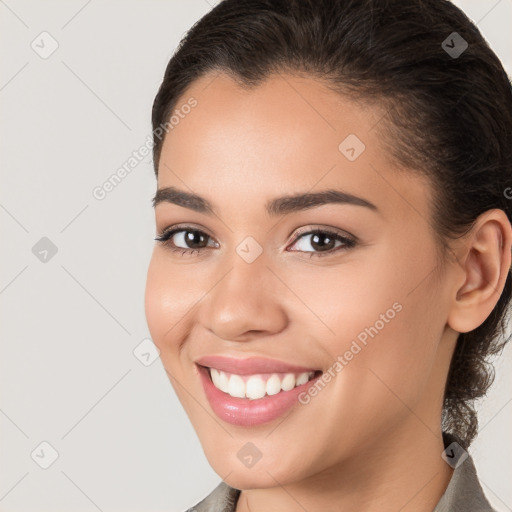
point(69, 326)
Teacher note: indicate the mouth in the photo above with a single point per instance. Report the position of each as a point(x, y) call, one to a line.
point(249, 392)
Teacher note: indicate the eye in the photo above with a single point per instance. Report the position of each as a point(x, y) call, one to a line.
point(185, 239)
point(324, 242)
point(188, 240)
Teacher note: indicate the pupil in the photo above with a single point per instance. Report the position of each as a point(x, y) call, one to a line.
point(322, 245)
point(193, 237)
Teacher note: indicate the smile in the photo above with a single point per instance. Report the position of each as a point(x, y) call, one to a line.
point(253, 391)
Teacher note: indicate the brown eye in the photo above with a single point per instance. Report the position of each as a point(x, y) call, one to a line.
point(184, 239)
point(323, 241)
point(192, 239)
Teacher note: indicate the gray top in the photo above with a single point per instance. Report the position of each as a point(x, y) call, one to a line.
point(463, 494)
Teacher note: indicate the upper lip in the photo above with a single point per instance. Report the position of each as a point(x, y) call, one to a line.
point(250, 365)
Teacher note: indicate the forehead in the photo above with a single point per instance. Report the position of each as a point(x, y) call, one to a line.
point(288, 134)
point(284, 113)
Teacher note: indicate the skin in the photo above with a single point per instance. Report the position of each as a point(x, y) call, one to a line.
point(371, 439)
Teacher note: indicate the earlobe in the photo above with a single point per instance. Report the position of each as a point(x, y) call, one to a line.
point(485, 265)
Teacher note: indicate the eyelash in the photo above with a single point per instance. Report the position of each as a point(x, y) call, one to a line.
point(166, 235)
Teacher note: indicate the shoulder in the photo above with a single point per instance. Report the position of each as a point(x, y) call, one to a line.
point(464, 492)
point(222, 499)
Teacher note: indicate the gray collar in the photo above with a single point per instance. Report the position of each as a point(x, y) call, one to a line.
point(464, 492)
point(222, 499)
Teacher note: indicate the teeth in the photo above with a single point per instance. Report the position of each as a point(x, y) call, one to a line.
point(223, 382)
point(257, 386)
point(288, 382)
point(236, 386)
point(214, 374)
point(273, 385)
point(302, 378)
point(220, 379)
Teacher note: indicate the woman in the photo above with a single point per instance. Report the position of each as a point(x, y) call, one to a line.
point(332, 266)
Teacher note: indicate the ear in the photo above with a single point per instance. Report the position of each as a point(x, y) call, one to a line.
point(482, 269)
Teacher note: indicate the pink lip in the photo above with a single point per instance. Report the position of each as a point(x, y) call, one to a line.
point(250, 365)
point(243, 411)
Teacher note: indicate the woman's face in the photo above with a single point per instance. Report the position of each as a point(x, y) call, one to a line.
point(249, 280)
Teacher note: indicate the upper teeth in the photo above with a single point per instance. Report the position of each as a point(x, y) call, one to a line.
point(256, 386)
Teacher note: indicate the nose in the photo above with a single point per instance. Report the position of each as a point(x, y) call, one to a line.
point(246, 302)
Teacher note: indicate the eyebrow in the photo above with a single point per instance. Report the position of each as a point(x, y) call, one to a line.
point(277, 206)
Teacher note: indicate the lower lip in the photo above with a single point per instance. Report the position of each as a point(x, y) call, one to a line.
point(246, 412)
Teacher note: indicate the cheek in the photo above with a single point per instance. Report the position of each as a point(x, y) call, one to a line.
point(167, 302)
point(385, 318)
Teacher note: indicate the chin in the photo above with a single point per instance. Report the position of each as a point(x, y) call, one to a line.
point(262, 474)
